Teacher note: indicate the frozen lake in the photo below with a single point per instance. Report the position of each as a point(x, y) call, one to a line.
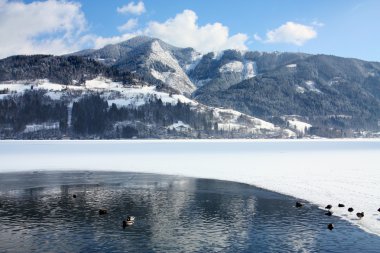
point(320, 171)
point(38, 213)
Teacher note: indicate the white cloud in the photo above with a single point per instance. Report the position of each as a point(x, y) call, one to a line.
point(52, 27)
point(257, 37)
point(132, 8)
point(183, 31)
point(58, 27)
point(131, 24)
point(100, 41)
point(291, 33)
point(316, 23)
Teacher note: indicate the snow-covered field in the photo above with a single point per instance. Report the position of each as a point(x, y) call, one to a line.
point(320, 171)
point(139, 95)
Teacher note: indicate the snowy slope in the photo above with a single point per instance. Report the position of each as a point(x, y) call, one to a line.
point(176, 79)
point(138, 95)
point(296, 124)
point(233, 66)
point(233, 120)
point(247, 69)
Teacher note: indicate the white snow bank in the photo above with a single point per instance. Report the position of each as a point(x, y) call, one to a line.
point(320, 171)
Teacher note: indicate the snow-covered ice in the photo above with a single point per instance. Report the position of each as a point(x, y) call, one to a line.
point(320, 171)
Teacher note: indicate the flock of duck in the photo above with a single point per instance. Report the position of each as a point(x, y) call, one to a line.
point(127, 222)
point(329, 212)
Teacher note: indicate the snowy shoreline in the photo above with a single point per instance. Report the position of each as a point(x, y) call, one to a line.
point(322, 171)
point(203, 140)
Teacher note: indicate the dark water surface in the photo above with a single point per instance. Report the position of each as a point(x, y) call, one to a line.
point(173, 214)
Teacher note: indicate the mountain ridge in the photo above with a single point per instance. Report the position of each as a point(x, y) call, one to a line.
point(315, 89)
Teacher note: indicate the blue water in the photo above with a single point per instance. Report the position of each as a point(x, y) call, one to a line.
point(173, 214)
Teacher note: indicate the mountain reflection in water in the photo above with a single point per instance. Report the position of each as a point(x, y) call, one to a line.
point(173, 214)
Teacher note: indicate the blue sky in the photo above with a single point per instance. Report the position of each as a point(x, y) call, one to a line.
point(340, 27)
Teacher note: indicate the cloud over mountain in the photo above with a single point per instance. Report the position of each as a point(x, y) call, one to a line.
point(291, 33)
point(184, 31)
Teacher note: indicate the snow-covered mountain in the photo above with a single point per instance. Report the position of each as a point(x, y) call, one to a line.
point(308, 94)
point(156, 61)
point(223, 122)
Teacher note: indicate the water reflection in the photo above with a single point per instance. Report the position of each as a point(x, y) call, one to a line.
point(173, 214)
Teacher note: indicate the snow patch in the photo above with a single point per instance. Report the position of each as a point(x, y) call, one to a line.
point(300, 89)
point(180, 126)
point(250, 69)
point(195, 59)
point(335, 81)
point(38, 127)
point(202, 82)
point(217, 55)
point(310, 85)
point(233, 66)
point(233, 120)
point(291, 65)
point(55, 95)
point(138, 96)
point(298, 125)
point(99, 83)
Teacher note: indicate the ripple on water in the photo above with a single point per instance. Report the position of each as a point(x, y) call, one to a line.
point(38, 213)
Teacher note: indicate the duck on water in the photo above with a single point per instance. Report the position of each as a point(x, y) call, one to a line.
point(129, 221)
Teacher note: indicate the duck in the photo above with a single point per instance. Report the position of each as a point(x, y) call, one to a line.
point(299, 204)
point(350, 209)
point(129, 221)
point(378, 210)
point(340, 205)
point(328, 207)
point(329, 213)
point(74, 196)
point(360, 215)
point(103, 211)
point(330, 226)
